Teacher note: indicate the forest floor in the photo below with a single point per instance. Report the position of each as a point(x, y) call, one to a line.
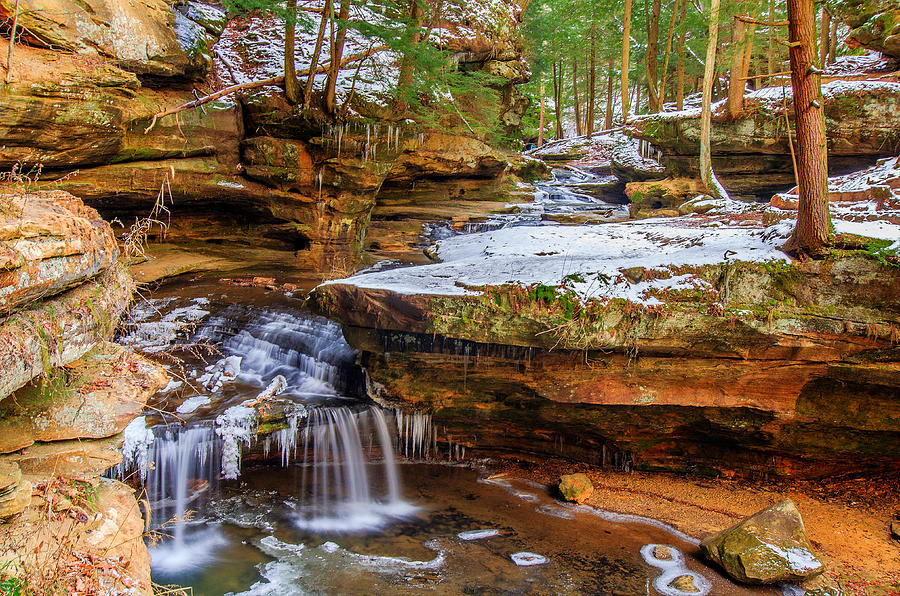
point(847, 518)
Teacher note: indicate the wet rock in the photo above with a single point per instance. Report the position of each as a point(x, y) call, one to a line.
point(62, 329)
point(95, 397)
point(684, 583)
point(576, 487)
point(821, 585)
point(663, 553)
point(49, 242)
point(768, 547)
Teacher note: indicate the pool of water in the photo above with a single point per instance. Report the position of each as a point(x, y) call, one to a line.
point(457, 534)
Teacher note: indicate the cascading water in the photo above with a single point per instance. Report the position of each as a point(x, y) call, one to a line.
point(566, 194)
point(349, 477)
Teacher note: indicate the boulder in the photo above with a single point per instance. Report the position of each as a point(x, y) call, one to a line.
point(874, 24)
point(768, 547)
point(49, 242)
point(62, 329)
point(659, 194)
point(140, 37)
point(628, 165)
point(576, 487)
point(92, 398)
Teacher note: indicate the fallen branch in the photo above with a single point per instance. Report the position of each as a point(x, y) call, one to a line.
point(274, 81)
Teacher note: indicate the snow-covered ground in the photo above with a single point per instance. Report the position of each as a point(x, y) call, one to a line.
point(589, 258)
point(866, 203)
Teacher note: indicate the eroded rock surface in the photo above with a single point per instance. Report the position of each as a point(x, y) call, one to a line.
point(92, 398)
point(58, 331)
point(49, 241)
point(142, 37)
point(751, 153)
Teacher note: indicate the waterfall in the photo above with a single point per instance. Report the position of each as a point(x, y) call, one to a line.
point(309, 352)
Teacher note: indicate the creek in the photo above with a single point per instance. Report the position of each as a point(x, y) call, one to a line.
point(315, 488)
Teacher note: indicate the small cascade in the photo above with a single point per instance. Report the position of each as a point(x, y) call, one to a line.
point(309, 352)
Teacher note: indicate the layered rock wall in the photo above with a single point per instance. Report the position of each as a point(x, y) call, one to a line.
point(251, 171)
point(797, 376)
point(66, 395)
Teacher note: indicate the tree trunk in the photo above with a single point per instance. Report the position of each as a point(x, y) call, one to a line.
point(679, 67)
point(334, 67)
point(404, 82)
point(575, 94)
point(540, 142)
point(653, 58)
point(740, 67)
point(813, 221)
point(626, 48)
point(770, 53)
point(608, 119)
point(748, 45)
point(825, 37)
point(317, 52)
point(557, 97)
point(707, 175)
point(665, 69)
point(592, 87)
point(291, 84)
point(832, 46)
point(736, 82)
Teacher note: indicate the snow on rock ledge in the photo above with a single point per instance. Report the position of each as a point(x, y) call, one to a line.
point(592, 258)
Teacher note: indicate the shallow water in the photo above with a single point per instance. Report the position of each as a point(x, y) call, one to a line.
point(252, 543)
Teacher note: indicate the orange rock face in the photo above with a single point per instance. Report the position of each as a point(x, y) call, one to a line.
point(49, 241)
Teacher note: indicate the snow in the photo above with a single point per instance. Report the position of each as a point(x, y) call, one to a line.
point(235, 427)
point(800, 559)
point(224, 371)
point(547, 254)
point(867, 64)
point(252, 48)
point(772, 100)
point(155, 336)
point(865, 203)
point(527, 559)
point(191, 404)
point(278, 385)
point(880, 230)
point(478, 534)
point(136, 448)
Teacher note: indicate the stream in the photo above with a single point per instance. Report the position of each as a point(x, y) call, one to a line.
point(327, 492)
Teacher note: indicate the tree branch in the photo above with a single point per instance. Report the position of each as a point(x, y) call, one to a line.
point(274, 81)
point(753, 21)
